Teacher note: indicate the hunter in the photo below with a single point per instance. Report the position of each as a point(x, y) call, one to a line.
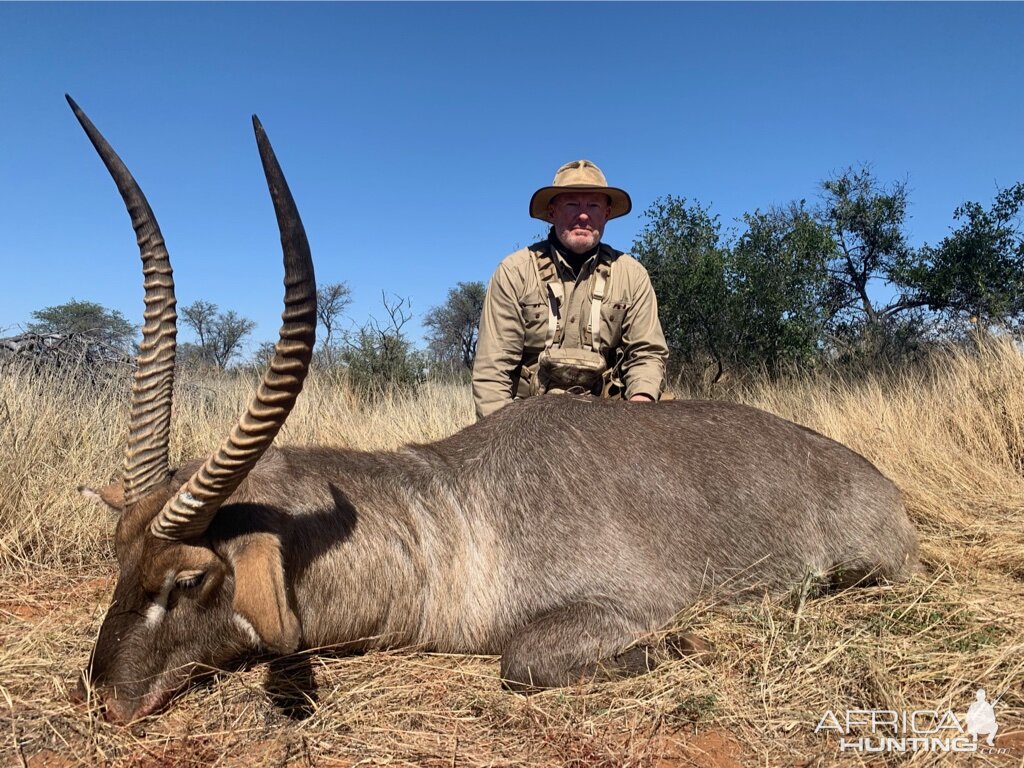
point(570, 313)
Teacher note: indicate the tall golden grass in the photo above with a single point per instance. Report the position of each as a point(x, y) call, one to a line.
point(950, 433)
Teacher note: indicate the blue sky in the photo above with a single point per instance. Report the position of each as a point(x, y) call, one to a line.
point(413, 135)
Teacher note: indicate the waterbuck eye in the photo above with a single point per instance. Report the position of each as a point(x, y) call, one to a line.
point(189, 579)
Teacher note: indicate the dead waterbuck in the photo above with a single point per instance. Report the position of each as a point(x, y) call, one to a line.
point(554, 532)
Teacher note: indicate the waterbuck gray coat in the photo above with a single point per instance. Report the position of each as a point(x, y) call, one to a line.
point(556, 532)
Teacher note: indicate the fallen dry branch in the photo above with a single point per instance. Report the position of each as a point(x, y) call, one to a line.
point(62, 350)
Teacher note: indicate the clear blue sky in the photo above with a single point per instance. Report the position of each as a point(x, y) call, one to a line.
point(414, 135)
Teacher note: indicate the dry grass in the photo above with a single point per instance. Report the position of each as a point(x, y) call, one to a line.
point(951, 436)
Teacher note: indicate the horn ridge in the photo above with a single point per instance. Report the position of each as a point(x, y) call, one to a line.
point(147, 461)
point(189, 512)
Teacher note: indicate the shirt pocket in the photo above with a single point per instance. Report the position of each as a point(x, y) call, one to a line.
point(535, 324)
point(613, 315)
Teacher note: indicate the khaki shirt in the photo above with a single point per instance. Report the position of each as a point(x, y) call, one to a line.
point(514, 324)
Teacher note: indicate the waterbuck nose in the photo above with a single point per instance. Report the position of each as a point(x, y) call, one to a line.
point(114, 711)
point(117, 711)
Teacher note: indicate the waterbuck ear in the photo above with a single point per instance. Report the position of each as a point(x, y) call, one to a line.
point(260, 594)
point(112, 495)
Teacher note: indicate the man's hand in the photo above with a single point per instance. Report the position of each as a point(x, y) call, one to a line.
point(639, 398)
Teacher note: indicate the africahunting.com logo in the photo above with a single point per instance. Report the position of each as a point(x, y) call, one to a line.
point(920, 730)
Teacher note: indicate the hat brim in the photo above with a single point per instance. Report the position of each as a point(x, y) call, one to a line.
point(620, 201)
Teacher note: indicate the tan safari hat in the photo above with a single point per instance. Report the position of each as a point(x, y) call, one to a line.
point(582, 176)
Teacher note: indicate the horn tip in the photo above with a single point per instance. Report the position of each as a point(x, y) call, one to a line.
point(83, 120)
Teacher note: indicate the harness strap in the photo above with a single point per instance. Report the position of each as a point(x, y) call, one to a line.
point(547, 275)
point(555, 297)
point(601, 272)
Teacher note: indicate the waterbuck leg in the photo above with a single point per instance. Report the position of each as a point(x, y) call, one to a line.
point(581, 642)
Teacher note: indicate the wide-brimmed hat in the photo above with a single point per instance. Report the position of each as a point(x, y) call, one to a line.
point(579, 176)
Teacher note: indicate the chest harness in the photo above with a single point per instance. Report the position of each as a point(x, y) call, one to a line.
point(551, 285)
point(572, 368)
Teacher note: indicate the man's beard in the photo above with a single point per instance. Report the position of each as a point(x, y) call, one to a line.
point(580, 241)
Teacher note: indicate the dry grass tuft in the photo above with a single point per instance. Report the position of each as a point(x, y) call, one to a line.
point(951, 435)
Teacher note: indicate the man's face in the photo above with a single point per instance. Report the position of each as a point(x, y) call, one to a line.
point(579, 219)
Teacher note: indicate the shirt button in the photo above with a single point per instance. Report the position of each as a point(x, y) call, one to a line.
point(572, 319)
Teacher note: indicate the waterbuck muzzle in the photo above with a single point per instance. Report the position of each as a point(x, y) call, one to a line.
point(189, 598)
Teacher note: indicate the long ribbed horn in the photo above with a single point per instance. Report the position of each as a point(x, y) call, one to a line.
point(146, 457)
point(191, 509)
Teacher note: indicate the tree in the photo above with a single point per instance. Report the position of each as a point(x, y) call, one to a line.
point(221, 334)
point(758, 304)
point(778, 288)
point(866, 221)
point(262, 355)
point(188, 354)
point(379, 355)
point(332, 299)
point(107, 326)
point(977, 272)
point(200, 316)
point(229, 333)
point(454, 326)
point(680, 248)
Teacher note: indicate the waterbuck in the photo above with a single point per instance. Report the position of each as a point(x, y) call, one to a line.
point(555, 532)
